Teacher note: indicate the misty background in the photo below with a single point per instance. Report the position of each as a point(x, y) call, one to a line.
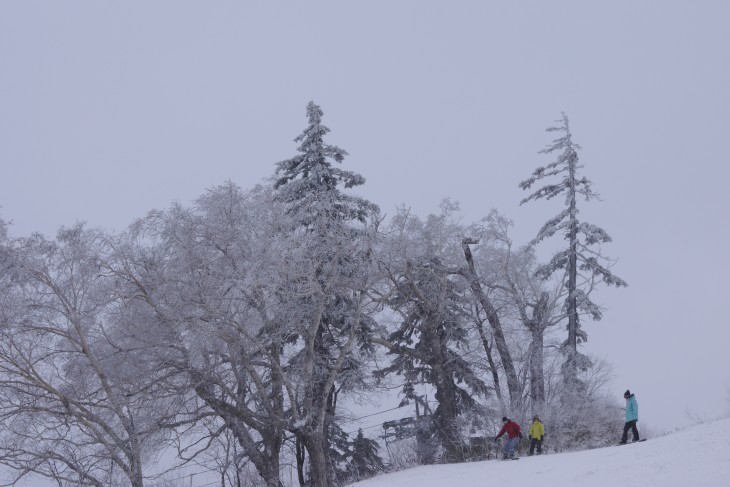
point(110, 110)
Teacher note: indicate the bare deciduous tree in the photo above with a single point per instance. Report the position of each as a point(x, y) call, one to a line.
point(201, 280)
point(76, 406)
point(512, 273)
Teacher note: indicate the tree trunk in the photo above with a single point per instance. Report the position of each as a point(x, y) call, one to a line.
point(301, 457)
point(447, 415)
point(318, 471)
point(571, 366)
point(513, 384)
point(537, 378)
point(492, 365)
point(275, 437)
point(537, 375)
point(445, 394)
point(136, 478)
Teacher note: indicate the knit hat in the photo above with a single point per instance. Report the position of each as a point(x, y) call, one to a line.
point(627, 393)
point(504, 419)
point(536, 417)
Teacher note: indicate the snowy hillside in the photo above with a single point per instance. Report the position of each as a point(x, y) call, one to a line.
point(698, 456)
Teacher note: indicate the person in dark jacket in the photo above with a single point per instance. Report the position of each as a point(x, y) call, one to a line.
point(514, 434)
point(632, 416)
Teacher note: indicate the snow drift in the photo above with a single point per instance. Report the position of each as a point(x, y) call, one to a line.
point(697, 456)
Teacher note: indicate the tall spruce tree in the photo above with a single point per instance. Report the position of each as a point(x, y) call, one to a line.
point(309, 183)
point(327, 294)
point(582, 263)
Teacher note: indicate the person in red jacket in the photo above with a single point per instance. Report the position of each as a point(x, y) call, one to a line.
point(514, 434)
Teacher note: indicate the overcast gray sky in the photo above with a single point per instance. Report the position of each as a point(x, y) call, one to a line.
point(110, 109)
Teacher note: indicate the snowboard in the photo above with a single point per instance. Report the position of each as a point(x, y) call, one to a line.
point(628, 443)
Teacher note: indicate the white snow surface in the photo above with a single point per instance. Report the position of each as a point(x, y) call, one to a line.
point(697, 456)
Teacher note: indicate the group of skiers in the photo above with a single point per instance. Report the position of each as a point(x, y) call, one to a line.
point(514, 434)
point(536, 432)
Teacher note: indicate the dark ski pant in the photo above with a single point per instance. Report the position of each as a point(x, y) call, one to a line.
point(630, 425)
point(533, 443)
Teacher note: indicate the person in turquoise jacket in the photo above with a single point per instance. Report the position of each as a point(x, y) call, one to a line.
point(632, 416)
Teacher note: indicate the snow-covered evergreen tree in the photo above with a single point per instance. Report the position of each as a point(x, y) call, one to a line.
point(309, 183)
point(363, 461)
point(432, 337)
point(327, 293)
point(582, 263)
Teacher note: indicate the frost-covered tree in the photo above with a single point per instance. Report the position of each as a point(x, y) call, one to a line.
point(202, 285)
point(310, 185)
point(493, 317)
point(431, 339)
point(326, 290)
point(363, 459)
point(521, 296)
point(256, 304)
point(581, 261)
point(77, 404)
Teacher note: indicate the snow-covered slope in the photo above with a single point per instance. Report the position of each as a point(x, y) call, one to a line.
point(695, 457)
